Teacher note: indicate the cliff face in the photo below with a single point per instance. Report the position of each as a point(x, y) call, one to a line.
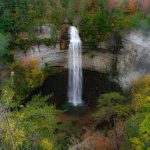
point(134, 59)
point(131, 61)
point(92, 60)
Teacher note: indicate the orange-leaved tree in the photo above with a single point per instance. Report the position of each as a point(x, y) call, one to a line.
point(131, 7)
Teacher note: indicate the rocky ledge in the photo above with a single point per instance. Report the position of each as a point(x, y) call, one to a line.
point(131, 61)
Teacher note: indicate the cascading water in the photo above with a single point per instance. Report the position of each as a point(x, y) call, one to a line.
point(75, 68)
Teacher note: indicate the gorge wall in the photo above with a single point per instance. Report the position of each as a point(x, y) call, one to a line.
point(132, 60)
point(53, 56)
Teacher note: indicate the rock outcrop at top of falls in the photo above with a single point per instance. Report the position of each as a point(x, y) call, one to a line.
point(133, 59)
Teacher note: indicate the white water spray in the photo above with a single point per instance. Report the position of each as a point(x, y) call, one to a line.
point(75, 68)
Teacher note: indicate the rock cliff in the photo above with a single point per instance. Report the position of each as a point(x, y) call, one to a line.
point(132, 60)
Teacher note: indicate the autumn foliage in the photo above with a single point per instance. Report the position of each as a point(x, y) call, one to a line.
point(141, 93)
point(145, 4)
point(27, 75)
point(137, 127)
point(112, 3)
point(131, 7)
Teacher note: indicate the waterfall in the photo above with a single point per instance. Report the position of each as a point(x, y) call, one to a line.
point(75, 68)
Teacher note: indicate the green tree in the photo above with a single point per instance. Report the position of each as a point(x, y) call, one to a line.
point(6, 18)
point(112, 104)
point(3, 44)
point(32, 126)
point(35, 126)
point(27, 76)
point(137, 128)
point(5, 55)
point(95, 27)
point(36, 123)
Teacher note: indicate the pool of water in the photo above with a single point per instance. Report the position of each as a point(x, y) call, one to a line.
point(94, 84)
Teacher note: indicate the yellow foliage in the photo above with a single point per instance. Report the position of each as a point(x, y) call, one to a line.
point(17, 134)
point(137, 144)
point(141, 93)
point(46, 144)
point(131, 7)
point(32, 72)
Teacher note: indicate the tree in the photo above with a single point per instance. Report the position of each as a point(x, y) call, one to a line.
point(132, 6)
point(27, 76)
point(3, 44)
point(141, 94)
point(23, 18)
point(95, 27)
point(112, 108)
point(6, 18)
point(137, 131)
point(114, 105)
point(112, 4)
point(35, 126)
point(137, 128)
point(145, 4)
